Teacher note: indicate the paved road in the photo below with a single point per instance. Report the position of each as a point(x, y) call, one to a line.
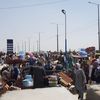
point(93, 92)
point(53, 93)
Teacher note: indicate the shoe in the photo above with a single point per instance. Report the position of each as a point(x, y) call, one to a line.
point(79, 97)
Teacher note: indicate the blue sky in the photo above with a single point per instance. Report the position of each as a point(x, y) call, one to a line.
point(22, 20)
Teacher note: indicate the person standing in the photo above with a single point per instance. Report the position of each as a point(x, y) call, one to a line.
point(80, 80)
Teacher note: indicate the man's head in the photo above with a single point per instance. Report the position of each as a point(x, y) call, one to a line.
point(77, 66)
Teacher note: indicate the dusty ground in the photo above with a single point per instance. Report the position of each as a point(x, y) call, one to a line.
point(53, 93)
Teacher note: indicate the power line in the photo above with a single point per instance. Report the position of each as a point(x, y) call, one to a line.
point(34, 5)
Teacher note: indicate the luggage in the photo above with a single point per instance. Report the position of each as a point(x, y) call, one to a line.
point(52, 80)
point(28, 81)
point(1, 88)
point(65, 79)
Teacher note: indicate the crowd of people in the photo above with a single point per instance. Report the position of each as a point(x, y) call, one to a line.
point(40, 65)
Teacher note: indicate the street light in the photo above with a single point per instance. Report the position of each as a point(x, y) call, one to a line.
point(57, 37)
point(57, 40)
point(39, 42)
point(98, 23)
point(64, 12)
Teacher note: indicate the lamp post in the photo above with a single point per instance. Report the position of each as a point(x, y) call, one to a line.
point(98, 23)
point(25, 46)
point(64, 12)
point(37, 46)
point(39, 42)
point(57, 37)
point(57, 40)
point(29, 44)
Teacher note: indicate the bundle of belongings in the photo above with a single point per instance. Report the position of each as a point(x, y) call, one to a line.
point(52, 80)
point(28, 81)
point(5, 87)
point(65, 80)
point(6, 81)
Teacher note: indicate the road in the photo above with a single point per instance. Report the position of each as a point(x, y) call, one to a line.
point(52, 93)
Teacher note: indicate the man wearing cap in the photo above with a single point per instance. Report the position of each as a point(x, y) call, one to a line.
point(80, 80)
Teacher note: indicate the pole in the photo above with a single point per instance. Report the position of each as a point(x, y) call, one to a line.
point(64, 12)
point(57, 40)
point(22, 46)
point(98, 28)
point(37, 45)
point(33, 47)
point(29, 45)
point(39, 42)
point(57, 37)
point(15, 48)
point(65, 36)
point(98, 24)
point(18, 48)
point(25, 46)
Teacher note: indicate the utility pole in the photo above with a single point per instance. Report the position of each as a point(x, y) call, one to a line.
point(98, 23)
point(37, 46)
point(57, 37)
point(22, 45)
point(29, 45)
point(39, 42)
point(57, 40)
point(64, 12)
point(98, 27)
point(25, 46)
point(18, 48)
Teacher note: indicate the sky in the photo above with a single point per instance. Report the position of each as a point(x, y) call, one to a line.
point(24, 20)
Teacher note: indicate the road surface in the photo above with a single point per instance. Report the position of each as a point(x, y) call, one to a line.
point(52, 93)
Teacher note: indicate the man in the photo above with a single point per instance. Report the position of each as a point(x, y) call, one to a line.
point(80, 80)
point(15, 72)
point(38, 74)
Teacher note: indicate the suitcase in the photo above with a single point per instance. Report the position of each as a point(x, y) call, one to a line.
point(65, 79)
